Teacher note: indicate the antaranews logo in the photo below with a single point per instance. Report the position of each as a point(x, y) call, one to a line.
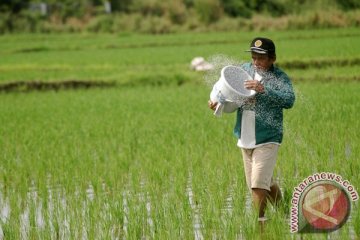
point(321, 203)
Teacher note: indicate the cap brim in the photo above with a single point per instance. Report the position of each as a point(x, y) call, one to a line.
point(256, 51)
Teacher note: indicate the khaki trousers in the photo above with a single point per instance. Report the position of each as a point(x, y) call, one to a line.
point(259, 164)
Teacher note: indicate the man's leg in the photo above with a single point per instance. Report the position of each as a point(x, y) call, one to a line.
point(264, 159)
point(275, 195)
point(259, 197)
point(247, 159)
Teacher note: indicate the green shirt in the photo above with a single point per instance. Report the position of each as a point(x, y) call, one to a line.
point(267, 107)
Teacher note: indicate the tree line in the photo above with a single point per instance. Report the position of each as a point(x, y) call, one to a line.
point(14, 13)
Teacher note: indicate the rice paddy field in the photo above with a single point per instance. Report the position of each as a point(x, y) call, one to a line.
point(135, 153)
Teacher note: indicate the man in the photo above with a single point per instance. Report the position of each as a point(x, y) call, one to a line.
point(259, 125)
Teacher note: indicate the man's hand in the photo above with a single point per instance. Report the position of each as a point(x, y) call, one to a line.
point(212, 105)
point(254, 85)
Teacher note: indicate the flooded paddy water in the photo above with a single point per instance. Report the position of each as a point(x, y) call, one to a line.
point(60, 215)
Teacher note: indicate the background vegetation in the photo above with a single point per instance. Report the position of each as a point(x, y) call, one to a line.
point(166, 16)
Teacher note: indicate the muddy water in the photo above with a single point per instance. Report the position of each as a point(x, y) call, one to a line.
point(195, 210)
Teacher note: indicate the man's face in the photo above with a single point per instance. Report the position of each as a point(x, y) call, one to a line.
point(262, 62)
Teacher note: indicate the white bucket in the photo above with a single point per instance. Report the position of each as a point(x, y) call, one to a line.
point(233, 79)
point(230, 89)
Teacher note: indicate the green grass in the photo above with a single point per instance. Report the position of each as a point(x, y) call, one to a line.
point(126, 58)
point(141, 147)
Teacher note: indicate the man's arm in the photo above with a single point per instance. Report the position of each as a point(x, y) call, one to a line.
point(283, 97)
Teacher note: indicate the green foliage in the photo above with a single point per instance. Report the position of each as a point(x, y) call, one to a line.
point(101, 24)
point(236, 8)
point(177, 15)
point(349, 4)
point(149, 7)
point(68, 8)
point(209, 11)
point(13, 6)
point(269, 7)
point(189, 3)
point(177, 11)
point(121, 5)
point(24, 21)
point(155, 25)
point(6, 24)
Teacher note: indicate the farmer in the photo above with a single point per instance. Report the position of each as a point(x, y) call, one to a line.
point(259, 124)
